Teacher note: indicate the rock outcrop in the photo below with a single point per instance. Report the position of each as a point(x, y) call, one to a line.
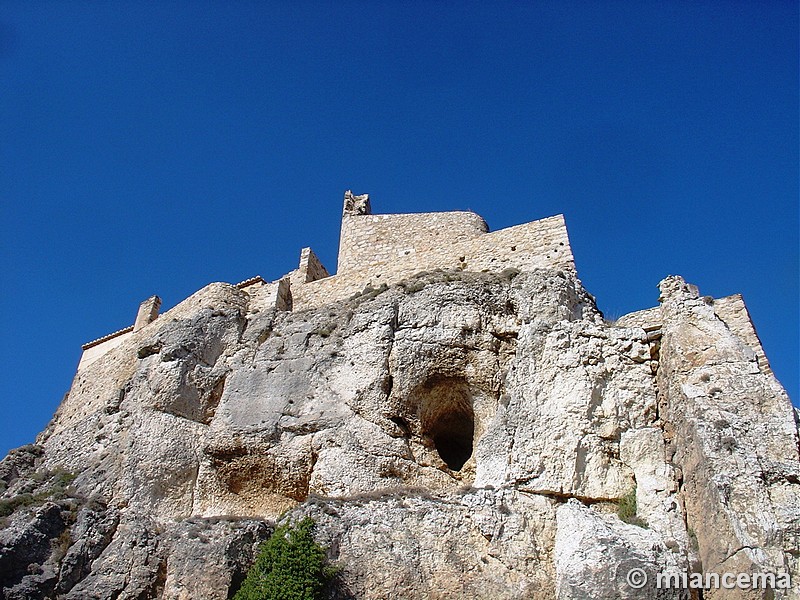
point(456, 435)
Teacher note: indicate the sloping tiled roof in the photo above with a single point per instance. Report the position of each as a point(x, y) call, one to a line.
point(105, 338)
point(251, 281)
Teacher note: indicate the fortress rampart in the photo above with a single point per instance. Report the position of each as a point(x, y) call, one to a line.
point(377, 250)
point(367, 240)
point(540, 244)
point(384, 249)
point(97, 348)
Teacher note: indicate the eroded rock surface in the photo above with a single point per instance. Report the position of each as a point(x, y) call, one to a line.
point(456, 435)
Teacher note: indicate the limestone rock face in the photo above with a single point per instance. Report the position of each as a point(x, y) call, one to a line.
point(733, 435)
point(595, 555)
point(458, 435)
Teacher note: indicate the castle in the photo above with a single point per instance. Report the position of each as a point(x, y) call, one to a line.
point(451, 403)
point(380, 250)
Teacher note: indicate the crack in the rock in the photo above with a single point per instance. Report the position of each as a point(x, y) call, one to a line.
point(561, 496)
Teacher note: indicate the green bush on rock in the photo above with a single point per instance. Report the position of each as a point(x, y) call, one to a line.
point(290, 566)
point(626, 510)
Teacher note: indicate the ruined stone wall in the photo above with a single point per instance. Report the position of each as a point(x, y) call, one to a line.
point(385, 249)
point(370, 239)
point(311, 267)
point(646, 319)
point(733, 312)
point(266, 296)
point(540, 244)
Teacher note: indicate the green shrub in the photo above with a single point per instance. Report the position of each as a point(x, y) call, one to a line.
point(57, 490)
point(626, 510)
point(290, 566)
point(61, 481)
point(9, 505)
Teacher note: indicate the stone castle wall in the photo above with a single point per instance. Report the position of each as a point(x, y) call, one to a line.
point(376, 250)
point(97, 348)
point(731, 310)
point(385, 249)
point(366, 240)
point(265, 295)
point(540, 244)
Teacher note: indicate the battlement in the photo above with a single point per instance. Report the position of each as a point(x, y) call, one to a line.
point(385, 249)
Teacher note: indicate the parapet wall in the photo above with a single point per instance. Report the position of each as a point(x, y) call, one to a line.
point(147, 313)
point(97, 348)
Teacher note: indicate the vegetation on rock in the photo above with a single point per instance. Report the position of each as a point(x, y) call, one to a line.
point(56, 489)
point(290, 566)
point(626, 510)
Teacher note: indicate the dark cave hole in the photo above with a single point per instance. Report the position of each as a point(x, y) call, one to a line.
point(448, 419)
point(454, 443)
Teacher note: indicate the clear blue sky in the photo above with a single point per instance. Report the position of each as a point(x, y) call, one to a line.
point(154, 147)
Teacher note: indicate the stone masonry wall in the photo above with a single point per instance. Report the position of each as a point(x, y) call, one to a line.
point(366, 240)
point(311, 267)
point(265, 296)
point(147, 313)
point(385, 249)
point(540, 244)
point(649, 318)
point(92, 351)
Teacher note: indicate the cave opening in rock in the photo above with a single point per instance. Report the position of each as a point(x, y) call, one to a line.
point(448, 419)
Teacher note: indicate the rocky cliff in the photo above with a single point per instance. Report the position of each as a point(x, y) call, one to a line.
point(456, 435)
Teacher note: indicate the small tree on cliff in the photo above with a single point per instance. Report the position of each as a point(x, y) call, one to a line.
point(290, 566)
